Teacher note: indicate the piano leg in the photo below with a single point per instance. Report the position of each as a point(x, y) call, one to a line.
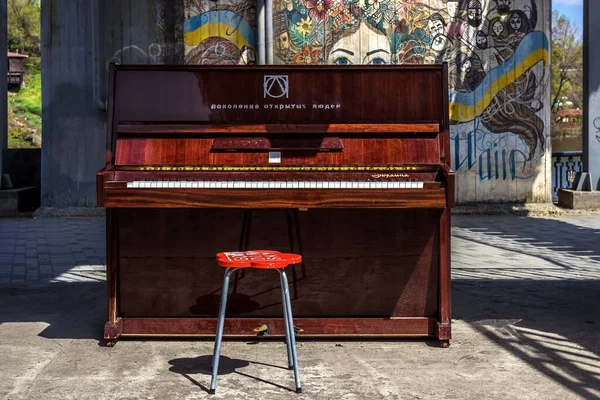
point(444, 319)
point(243, 246)
point(113, 327)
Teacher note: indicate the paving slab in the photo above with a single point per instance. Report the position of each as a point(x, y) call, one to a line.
point(525, 324)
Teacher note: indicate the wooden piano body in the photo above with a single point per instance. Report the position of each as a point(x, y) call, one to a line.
point(349, 166)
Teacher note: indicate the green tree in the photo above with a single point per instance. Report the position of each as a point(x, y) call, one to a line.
point(567, 62)
point(24, 26)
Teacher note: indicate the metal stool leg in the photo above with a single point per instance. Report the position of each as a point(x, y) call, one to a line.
point(288, 310)
point(288, 332)
point(219, 337)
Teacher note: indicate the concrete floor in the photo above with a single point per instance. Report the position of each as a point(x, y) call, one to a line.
point(526, 307)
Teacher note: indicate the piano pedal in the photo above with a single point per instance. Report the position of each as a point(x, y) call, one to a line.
point(262, 330)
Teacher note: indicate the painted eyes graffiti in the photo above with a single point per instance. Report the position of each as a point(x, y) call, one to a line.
point(342, 61)
point(377, 61)
point(474, 13)
point(345, 61)
point(515, 23)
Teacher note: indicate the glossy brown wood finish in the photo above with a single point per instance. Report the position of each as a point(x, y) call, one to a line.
point(120, 178)
point(112, 256)
point(445, 314)
point(265, 144)
point(312, 327)
point(149, 129)
point(167, 264)
point(100, 188)
point(110, 107)
point(376, 262)
point(386, 94)
point(276, 198)
point(356, 152)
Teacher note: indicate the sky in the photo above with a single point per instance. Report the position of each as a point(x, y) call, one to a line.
point(573, 9)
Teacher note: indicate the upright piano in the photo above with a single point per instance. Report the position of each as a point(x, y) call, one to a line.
point(348, 166)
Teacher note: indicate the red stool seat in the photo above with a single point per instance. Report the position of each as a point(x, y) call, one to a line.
point(262, 259)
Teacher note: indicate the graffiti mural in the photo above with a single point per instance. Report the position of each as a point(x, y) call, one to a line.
point(220, 32)
point(497, 52)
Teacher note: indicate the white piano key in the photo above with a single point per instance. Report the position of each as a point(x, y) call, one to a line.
point(420, 185)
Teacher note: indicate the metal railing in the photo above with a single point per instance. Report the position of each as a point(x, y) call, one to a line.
point(562, 162)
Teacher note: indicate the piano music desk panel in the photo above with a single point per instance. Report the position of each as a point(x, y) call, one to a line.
point(354, 177)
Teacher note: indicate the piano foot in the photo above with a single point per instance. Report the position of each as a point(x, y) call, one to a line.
point(112, 331)
point(445, 343)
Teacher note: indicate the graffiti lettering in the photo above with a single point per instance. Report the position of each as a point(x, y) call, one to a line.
point(493, 160)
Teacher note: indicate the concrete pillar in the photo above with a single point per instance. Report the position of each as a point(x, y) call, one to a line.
point(590, 179)
point(3, 82)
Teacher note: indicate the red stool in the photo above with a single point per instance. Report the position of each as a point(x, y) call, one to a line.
point(261, 259)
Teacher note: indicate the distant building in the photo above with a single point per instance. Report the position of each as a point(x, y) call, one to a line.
point(570, 115)
point(15, 68)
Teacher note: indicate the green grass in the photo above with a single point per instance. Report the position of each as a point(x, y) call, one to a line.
point(25, 108)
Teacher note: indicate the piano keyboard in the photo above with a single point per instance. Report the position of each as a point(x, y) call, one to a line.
point(275, 184)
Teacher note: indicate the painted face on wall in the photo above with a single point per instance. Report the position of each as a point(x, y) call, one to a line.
point(482, 42)
point(435, 27)
point(429, 60)
point(439, 43)
point(374, 48)
point(474, 15)
point(247, 56)
point(515, 22)
point(283, 41)
point(466, 66)
point(452, 7)
point(503, 6)
point(498, 28)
